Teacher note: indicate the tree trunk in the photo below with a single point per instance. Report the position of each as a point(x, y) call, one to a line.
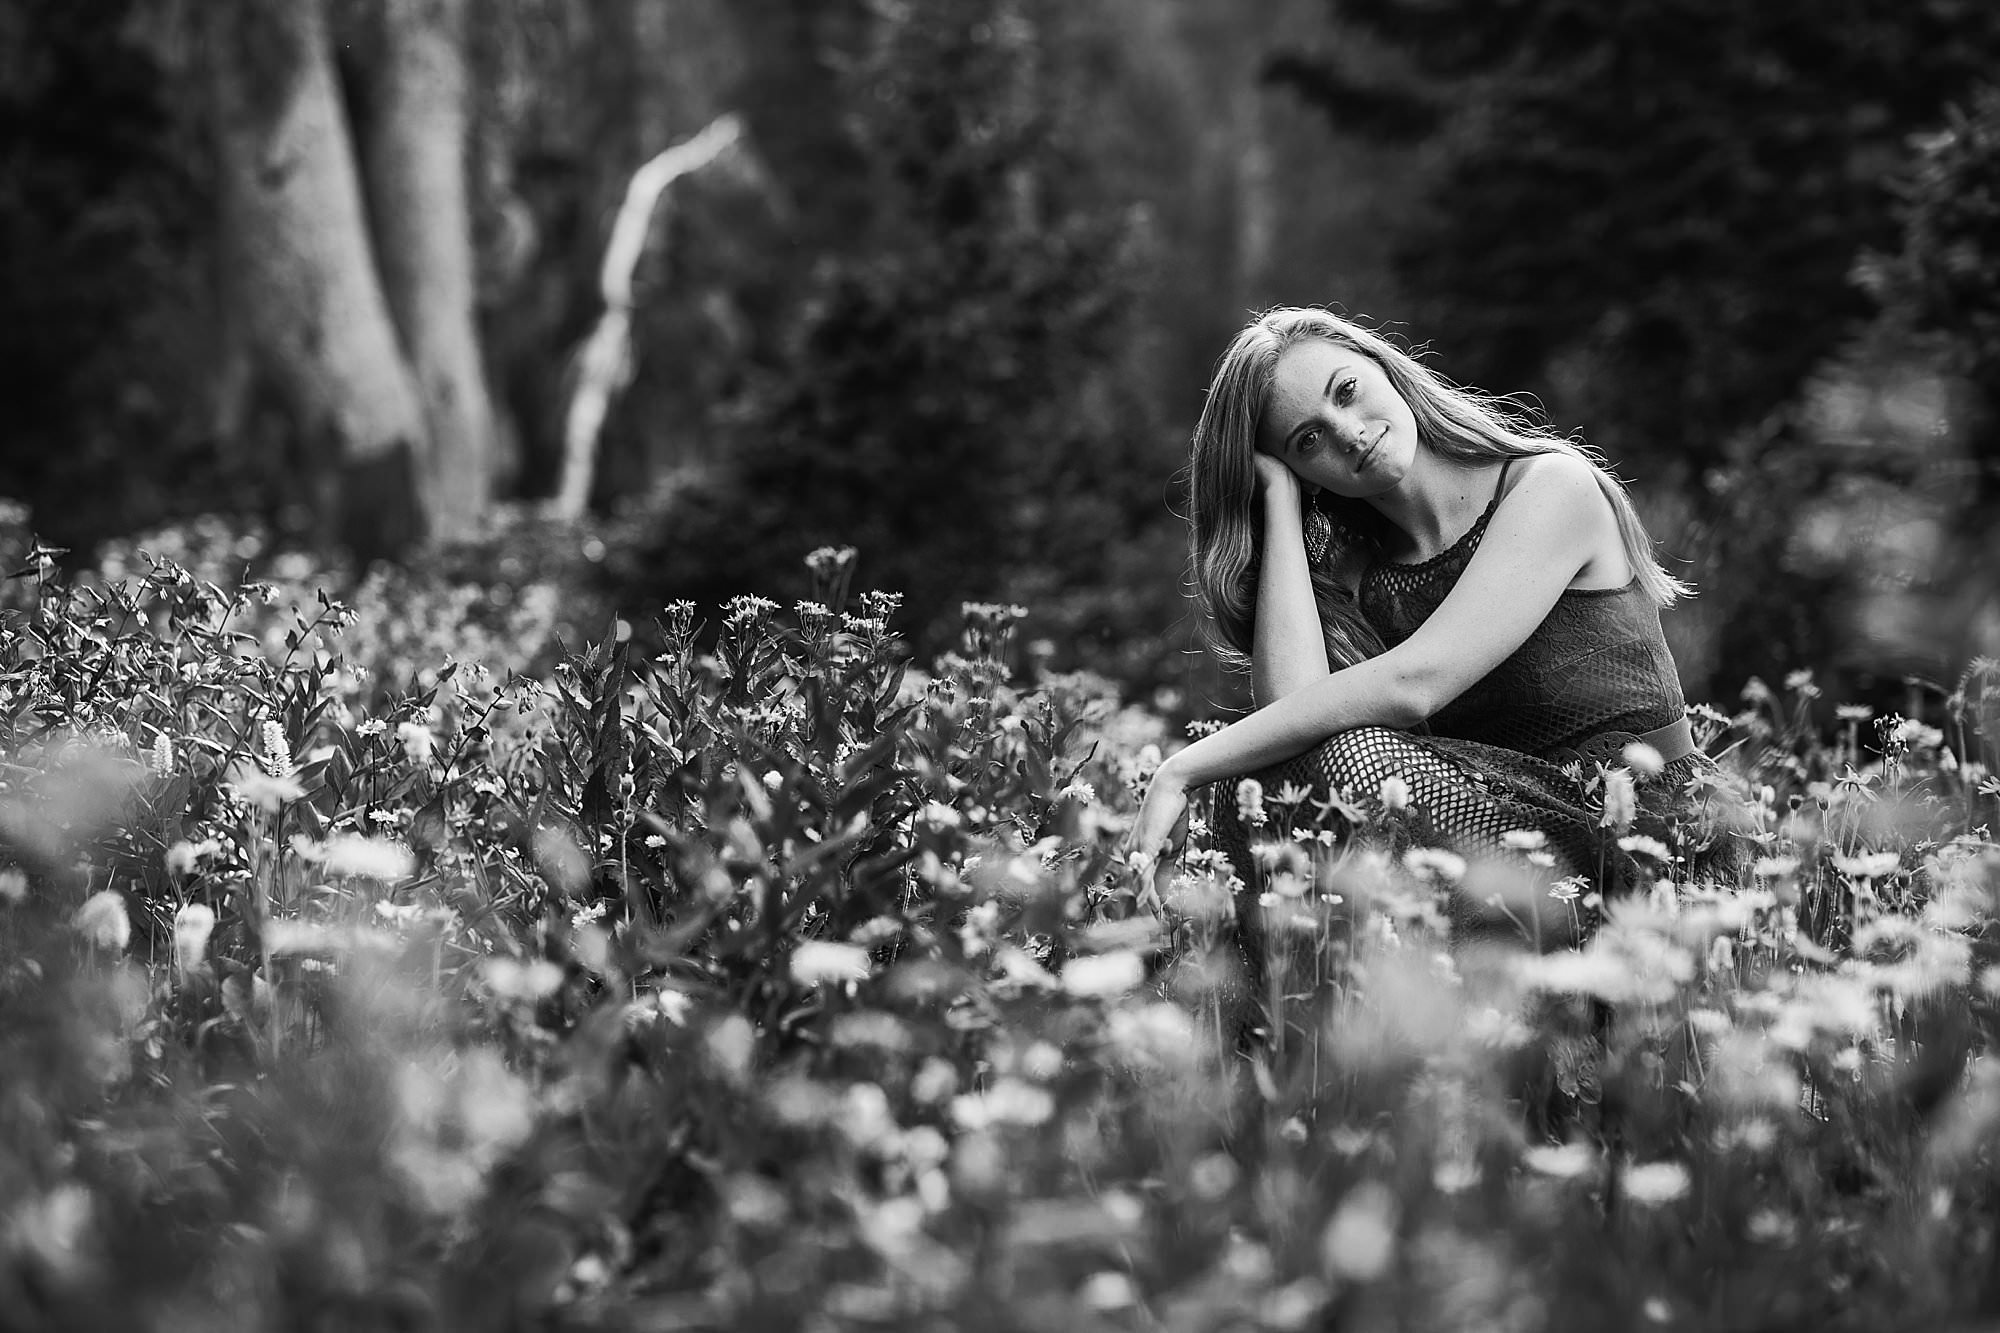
point(604, 362)
point(415, 161)
point(296, 235)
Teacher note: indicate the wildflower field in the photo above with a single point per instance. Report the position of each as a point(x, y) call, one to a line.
point(396, 966)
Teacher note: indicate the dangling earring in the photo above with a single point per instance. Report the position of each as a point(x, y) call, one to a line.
point(1318, 532)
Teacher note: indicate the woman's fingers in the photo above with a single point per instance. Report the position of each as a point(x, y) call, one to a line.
point(1157, 833)
point(1271, 472)
point(1161, 826)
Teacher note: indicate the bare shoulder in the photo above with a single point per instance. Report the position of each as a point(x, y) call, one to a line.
point(1559, 483)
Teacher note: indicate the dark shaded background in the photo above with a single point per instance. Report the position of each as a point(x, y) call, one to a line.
point(956, 300)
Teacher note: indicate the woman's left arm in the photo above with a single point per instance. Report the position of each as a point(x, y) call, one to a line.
point(1539, 537)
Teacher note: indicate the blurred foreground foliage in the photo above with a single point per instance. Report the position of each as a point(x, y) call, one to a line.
point(395, 969)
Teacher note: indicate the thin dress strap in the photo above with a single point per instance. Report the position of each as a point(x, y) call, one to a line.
point(1462, 547)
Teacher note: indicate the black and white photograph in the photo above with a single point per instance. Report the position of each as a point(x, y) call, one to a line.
point(999, 666)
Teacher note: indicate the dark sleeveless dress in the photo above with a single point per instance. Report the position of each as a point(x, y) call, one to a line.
point(1524, 747)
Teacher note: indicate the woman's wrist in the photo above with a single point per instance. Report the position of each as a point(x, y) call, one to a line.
point(1171, 775)
point(1282, 503)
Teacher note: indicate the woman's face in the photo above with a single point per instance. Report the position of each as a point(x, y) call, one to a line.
point(1334, 418)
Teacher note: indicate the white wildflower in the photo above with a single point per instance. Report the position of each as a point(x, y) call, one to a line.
point(276, 756)
point(183, 858)
point(1621, 800)
point(163, 754)
point(103, 922)
point(1434, 863)
point(417, 741)
point(511, 979)
point(1010, 1101)
point(1868, 865)
point(875, 930)
point(1107, 1290)
point(816, 962)
point(1394, 794)
point(1770, 1227)
point(1564, 1163)
point(1708, 1022)
point(265, 790)
point(1911, 961)
point(1568, 890)
point(1159, 1034)
point(1644, 760)
point(1291, 793)
point(1916, 735)
point(748, 609)
point(1656, 1183)
point(1640, 845)
point(934, 1081)
point(1360, 1242)
point(193, 924)
point(1016, 966)
point(732, 1045)
point(371, 858)
point(13, 885)
point(1250, 801)
point(826, 561)
point(1104, 975)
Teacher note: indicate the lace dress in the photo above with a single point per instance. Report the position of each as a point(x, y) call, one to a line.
point(1524, 747)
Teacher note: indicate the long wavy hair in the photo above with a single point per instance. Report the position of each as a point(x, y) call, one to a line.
point(1226, 519)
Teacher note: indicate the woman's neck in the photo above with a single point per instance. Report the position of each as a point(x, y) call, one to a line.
point(1438, 500)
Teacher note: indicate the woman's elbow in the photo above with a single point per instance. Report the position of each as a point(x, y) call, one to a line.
point(1409, 701)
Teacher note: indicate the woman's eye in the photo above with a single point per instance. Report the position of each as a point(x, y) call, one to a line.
point(1308, 441)
point(1343, 393)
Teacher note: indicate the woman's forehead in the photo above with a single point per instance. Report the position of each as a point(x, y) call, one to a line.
point(1299, 381)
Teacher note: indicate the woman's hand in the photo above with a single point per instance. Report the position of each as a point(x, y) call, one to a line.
point(1275, 480)
point(1158, 831)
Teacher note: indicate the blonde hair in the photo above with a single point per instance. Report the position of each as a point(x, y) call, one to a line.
point(1226, 520)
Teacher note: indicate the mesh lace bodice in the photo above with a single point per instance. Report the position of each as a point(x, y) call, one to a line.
point(1598, 663)
point(1519, 750)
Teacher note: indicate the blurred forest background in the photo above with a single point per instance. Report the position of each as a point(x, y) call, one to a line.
point(323, 280)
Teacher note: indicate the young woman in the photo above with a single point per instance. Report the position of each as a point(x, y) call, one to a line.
point(1425, 586)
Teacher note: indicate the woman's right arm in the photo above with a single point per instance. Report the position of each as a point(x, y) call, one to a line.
point(1288, 647)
